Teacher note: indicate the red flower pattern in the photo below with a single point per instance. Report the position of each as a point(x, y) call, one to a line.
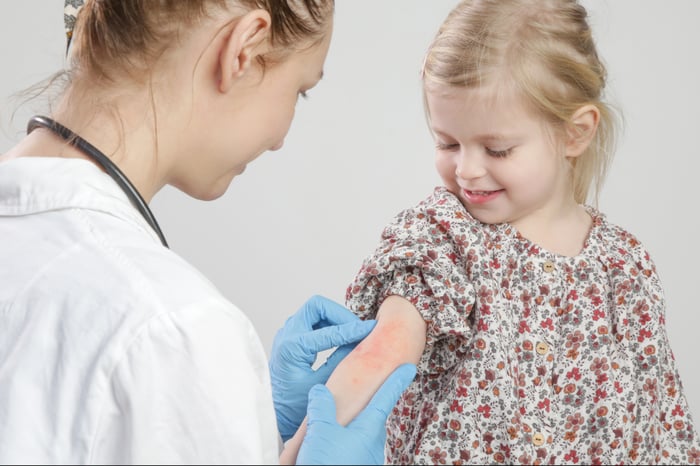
point(568, 363)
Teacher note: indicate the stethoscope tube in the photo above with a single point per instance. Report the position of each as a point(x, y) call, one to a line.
point(112, 170)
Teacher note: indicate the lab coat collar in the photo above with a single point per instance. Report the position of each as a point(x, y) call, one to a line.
point(30, 185)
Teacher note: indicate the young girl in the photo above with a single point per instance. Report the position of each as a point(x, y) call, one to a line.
point(537, 325)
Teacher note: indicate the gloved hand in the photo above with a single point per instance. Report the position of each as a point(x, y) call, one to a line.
point(320, 324)
point(362, 441)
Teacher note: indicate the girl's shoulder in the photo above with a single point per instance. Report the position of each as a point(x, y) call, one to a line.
point(441, 203)
point(619, 248)
point(440, 214)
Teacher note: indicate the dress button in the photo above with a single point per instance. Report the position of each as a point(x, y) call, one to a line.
point(548, 266)
point(538, 439)
point(542, 348)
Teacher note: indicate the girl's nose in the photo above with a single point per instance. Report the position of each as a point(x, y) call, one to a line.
point(469, 166)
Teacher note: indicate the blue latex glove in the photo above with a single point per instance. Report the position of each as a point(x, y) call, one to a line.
point(320, 324)
point(362, 441)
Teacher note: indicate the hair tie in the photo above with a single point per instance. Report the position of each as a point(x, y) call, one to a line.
point(70, 14)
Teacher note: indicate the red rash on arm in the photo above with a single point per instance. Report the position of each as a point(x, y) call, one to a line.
point(383, 347)
point(398, 338)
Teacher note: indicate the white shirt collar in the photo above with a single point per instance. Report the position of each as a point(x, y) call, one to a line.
point(30, 185)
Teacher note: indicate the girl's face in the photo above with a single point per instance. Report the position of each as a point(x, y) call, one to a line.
point(497, 156)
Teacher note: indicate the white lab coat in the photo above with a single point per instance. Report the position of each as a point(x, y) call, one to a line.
point(112, 348)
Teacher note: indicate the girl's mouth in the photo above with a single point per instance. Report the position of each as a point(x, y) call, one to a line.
point(481, 197)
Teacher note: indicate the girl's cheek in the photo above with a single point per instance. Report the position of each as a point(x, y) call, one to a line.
point(445, 167)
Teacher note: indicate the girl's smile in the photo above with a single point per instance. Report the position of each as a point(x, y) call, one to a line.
point(481, 197)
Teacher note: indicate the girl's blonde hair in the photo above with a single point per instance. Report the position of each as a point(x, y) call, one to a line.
point(545, 49)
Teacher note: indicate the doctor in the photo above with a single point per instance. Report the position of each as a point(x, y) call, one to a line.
point(113, 349)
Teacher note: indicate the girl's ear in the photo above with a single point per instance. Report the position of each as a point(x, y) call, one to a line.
point(581, 130)
point(241, 45)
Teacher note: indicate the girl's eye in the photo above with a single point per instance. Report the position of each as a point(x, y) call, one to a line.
point(448, 147)
point(498, 153)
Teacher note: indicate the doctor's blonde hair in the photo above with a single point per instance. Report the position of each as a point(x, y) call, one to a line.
point(121, 39)
point(545, 50)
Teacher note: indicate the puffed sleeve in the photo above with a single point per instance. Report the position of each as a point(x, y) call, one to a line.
point(191, 388)
point(671, 435)
point(421, 257)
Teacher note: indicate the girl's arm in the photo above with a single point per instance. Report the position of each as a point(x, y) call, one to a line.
point(398, 338)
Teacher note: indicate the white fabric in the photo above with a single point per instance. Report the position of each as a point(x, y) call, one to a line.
point(112, 348)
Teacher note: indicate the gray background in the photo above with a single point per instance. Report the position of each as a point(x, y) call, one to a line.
point(300, 221)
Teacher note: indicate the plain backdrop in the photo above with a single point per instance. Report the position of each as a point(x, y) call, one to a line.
point(300, 220)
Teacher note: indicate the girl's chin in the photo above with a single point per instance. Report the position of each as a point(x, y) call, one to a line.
point(484, 215)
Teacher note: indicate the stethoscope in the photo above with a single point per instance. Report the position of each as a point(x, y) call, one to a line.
point(112, 170)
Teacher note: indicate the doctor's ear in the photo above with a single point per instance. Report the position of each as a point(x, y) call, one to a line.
point(581, 130)
point(242, 42)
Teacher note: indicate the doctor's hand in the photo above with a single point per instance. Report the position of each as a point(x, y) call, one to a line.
point(320, 324)
point(362, 441)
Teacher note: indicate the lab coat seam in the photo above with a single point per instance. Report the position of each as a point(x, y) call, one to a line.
point(122, 262)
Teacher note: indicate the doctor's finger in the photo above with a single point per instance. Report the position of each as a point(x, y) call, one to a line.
point(321, 406)
point(320, 310)
point(337, 335)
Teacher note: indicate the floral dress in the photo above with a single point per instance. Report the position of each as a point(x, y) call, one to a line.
point(531, 357)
